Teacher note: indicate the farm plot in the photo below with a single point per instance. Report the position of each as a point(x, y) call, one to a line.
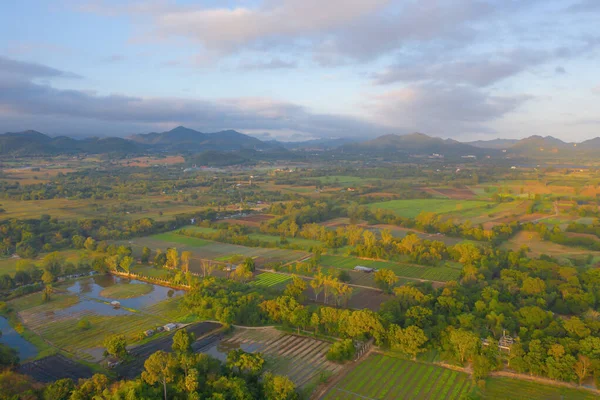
point(57, 321)
point(52, 368)
point(300, 358)
point(384, 377)
point(441, 274)
point(514, 389)
point(209, 250)
point(270, 279)
point(412, 208)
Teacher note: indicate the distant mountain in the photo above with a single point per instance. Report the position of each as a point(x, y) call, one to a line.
point(318, 144)
point(498, 144)
point(539, 146)
point(33, 143)
point(188, 140)
point(415, 144)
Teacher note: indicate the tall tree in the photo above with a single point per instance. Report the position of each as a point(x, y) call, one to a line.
point(160, 367)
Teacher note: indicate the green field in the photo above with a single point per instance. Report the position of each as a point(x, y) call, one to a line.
point(441, 274)
point(412, 208)
point(270, 279)
point(384, 377)
point(180, 239)
point(341, 180)
point(304, 243)
point(514, 389)
point(126, 291)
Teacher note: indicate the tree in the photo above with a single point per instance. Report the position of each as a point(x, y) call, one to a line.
point(279, 387)
point(296, 288)
point(409, 340)
point(172, 258)
point(249, 263)
point(116, 345)
point(245, 363)
point(385, 279)
point(464, 343)
point(582, 368)
point(160, 259)
point(112, 262)
point(146, 253)
point(317, 284)
point(182, 342)
point(90, 244)
point(242, 273)
point(47, 277)
point(78, 241)
point(126, 263)
point(59, 390)
point(341, 351)
point(160, 367)
point(84, 324)
point(207, 267)
point(185, 261)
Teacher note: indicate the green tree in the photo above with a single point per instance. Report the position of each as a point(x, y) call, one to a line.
point(126, 263)
point(279, 387)
point(186, 256)
point(245, 363)
point(385, 279)
point(90, 244)
point(160, 367)
point(172, 258)
point(160, 259)
point(182, 342)
point(59, 390)
point(146, 253)
point(464, 343)
point(116, 345)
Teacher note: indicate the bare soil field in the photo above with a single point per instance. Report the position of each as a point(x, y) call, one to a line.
point(150, 161)
point(52, 368)
point(456, 194)
point(251, 220)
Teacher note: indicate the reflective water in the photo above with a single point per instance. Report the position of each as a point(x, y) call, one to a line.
point(11, 338)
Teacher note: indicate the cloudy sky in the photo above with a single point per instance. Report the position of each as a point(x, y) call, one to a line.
point(293, 69)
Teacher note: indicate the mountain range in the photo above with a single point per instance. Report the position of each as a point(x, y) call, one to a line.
point(192, 142)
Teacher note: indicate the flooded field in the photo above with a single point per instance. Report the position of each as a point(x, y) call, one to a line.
point(58, 320)
point(13, 339)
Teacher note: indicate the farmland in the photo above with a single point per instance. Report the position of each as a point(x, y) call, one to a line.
point(412, 208)
point(302, 359)
point(442, 273)
point(384, 377)
point(269, 279)
point(513, 389)
point(57, 320)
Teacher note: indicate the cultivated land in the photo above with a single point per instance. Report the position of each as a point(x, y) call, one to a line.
point(514, 389)
point(412, 208)
point(301, 358)
point(385, 377)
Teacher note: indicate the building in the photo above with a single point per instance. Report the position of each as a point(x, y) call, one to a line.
point(149, 332)
point(170, 327)
point(360, 268)
point(115, 304)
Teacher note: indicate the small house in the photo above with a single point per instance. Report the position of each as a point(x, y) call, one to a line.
point(149, 332)
point(115, 304)
point(360, 268)
point(170, 327)
point(112, 362)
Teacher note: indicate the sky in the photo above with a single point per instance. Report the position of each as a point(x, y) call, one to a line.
point(302, 69)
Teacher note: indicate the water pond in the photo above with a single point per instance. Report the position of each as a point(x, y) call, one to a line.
point(12, 339)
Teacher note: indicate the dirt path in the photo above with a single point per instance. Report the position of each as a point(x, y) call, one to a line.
point(549, 216)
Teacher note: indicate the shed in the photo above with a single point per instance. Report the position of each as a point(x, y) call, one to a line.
point(115, 304)
point(363, 269)
point(170, 327)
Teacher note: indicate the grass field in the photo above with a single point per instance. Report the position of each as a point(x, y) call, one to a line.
point(270, 279)
point(180, 239)
point(514, 389)
point(441, 274)
point(126, 291)
point(537, 246)
point(384, 377)
point(412, 208)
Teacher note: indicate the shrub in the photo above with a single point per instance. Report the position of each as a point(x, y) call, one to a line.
point(341, 351)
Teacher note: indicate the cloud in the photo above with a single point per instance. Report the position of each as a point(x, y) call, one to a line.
point(596, 89)
point(115, 58)
point(560, 70)
point(13, 69)
point(272, 64)
point(442, 109)
point(24, 97)
point(585, 6)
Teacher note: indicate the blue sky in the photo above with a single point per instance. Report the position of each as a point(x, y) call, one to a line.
point(296, 69)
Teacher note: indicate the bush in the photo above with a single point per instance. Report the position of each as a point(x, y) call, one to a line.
point(341, 351)
point(84, 324)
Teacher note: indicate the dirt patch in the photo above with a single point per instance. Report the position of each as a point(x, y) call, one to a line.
point(150, 161)
point(52, 368)
point(251, 220)
point(457, 194)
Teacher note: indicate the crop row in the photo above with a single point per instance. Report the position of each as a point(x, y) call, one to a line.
point(269, 279)
point(383, 377)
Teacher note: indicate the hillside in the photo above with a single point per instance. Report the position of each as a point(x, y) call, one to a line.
point(415, 144)
point(498, 144)
point(188, 140)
